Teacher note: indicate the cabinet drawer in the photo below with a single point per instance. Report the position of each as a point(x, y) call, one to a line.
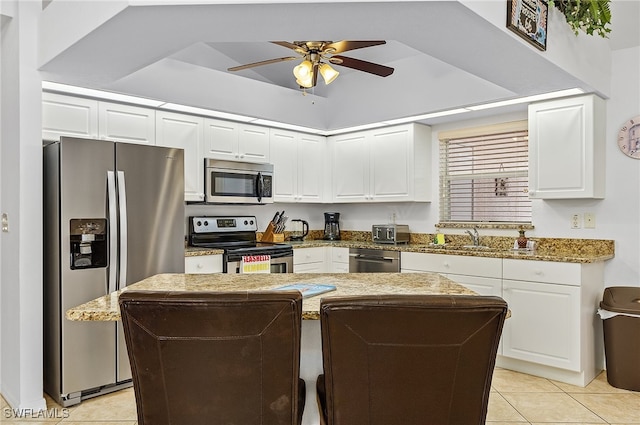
point(542, 271)
point(203, 264)
point(308, 255)
point(457, 264)
point(340, 255)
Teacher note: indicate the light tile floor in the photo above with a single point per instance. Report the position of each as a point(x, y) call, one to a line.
point(516, 399)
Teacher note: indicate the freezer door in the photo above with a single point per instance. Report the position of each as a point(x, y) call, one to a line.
point(87, 348)
point(151, 194)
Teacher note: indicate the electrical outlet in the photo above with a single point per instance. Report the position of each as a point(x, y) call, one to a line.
point(589, 221)
point(576, 221)
point(5, 223)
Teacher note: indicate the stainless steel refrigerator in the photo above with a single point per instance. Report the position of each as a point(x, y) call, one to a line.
point(113, 215)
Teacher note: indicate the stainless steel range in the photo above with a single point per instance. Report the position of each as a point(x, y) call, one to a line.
point(236, 235)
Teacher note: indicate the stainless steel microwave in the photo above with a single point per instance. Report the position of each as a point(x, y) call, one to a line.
point(230, 182)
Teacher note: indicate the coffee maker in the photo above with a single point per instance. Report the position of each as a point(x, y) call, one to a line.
point(332, 226)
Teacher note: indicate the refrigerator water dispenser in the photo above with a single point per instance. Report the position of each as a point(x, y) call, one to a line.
point(88, 243)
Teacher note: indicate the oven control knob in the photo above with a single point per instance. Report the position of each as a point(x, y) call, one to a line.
point(198, 223)
point(251, 222)
point(246, 222)
point(206, 223)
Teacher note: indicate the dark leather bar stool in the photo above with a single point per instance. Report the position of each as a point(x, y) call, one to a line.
point(215, 358)
point(408, 359)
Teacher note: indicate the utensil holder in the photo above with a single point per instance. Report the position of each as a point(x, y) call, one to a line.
point(270, 236)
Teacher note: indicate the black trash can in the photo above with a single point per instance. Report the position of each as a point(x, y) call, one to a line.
point(621, 324)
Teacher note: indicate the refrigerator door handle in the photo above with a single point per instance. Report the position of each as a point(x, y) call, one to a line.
point(122, 201)
point(113, 231)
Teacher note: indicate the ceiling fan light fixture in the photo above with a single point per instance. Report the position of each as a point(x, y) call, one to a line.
point(328, 73)
point(306, 83)
point(303, 71)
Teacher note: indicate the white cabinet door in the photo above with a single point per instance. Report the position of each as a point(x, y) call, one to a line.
point(383, 165)
point(221, 139)
point(185, 132)
point(203, 264)
point(544, 326)
point(312, 152)
point(310, 260)
point(233, 141)
point(566, 148)
point(253, 143)
point(350, 164)
point(339, 260)
point(124, 123)
point(68, 116)
point(298, 161)
point(284, 157)
point(391, 165)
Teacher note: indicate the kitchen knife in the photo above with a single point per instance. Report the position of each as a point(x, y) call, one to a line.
point(274, 220)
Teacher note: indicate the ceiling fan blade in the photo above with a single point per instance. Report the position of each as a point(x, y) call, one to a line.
point(346, 45)
point(360, 65)
point(300, 49)
point(267, 62)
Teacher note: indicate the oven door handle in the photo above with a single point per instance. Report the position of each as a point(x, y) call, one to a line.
point(260, 186)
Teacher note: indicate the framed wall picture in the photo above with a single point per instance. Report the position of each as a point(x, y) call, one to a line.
point(528, 19)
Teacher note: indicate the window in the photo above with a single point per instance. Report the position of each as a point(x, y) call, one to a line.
point(484, 175)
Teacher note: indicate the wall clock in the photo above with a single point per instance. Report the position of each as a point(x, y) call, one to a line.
point(629, 138)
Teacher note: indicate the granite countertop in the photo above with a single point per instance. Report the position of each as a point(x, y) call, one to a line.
point(549, 249)
point(106, 308)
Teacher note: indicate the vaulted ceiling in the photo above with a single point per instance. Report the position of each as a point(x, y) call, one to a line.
point(445, 56)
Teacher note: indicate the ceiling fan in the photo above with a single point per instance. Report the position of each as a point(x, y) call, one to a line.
point(316, 57)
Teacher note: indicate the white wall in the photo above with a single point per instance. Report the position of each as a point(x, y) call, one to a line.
point(20, 198)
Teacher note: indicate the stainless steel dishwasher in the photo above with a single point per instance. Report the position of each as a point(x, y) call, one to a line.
point(363, 260)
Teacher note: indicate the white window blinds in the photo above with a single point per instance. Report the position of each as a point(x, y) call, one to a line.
point(484, 178)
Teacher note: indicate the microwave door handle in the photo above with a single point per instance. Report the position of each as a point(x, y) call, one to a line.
point(260, 186)
point(122, 200)
point(113, 231)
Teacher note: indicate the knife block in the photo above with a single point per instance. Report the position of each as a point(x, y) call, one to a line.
point(270, 236)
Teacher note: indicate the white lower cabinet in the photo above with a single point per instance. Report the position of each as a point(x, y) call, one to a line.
point(310, 260)
point(543, 324)
point(203, 264)
point(339, 260)
point(553, 330)
point(480, 274)
point(553, 323)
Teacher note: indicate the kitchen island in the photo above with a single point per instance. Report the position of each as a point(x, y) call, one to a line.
point(106, 308)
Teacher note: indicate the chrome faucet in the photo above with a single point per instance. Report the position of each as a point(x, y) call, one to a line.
point(475, 236)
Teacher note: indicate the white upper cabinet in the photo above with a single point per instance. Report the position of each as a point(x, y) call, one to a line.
point(391, 164)
point(124, 123)
point(68, 116)
point(567, 148)
point(233, 141)
point(298, 161)
point(185, 132)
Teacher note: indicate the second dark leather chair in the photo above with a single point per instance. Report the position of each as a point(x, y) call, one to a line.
point(215, 358)
point(407, 359)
